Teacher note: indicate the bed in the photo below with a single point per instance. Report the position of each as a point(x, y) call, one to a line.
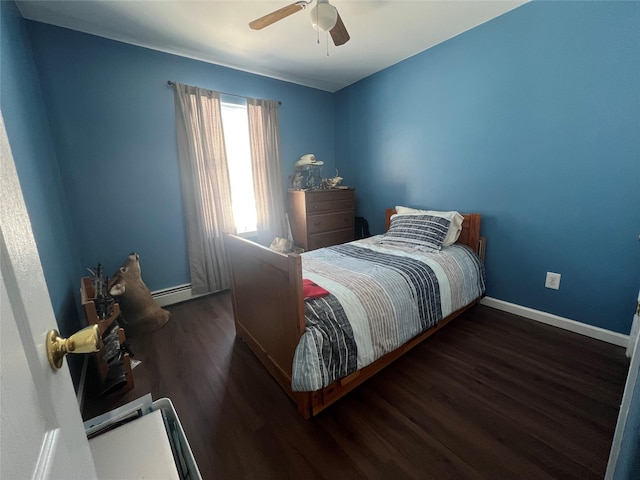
point(269, 309)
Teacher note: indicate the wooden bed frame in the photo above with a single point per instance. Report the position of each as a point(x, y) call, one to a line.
point(268, 309)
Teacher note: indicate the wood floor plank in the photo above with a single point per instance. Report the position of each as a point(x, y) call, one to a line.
point(492, 395)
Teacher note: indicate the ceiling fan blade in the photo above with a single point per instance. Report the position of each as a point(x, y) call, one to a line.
point(279, 14)
point(339, 33)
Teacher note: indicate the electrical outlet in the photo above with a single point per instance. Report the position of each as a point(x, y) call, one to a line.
point(552, 281)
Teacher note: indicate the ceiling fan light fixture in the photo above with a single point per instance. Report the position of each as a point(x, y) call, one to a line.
point(324, 16)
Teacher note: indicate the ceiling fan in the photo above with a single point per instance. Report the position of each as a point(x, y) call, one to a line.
point(324, 16)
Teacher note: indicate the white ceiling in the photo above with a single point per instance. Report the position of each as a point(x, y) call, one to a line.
point(382, 32)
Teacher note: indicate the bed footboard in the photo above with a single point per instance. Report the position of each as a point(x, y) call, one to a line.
point(268, 308)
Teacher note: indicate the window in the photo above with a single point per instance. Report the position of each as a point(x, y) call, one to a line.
point(236, 138)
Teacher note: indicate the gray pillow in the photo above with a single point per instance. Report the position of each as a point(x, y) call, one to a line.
point(417, 231)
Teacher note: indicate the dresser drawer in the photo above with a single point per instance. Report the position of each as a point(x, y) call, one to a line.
point(330, 221)
point(334, 195)
point(319, 240)
point(332, 206)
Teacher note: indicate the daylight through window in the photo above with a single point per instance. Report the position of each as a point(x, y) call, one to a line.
point(236, 137)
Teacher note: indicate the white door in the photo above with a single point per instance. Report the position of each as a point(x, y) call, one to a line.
point(629, 398)
point(41, 431)
point(635, 330)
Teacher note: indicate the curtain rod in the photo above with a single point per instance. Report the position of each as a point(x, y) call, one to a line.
point(171, 84)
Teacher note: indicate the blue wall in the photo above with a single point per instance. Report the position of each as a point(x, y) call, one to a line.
point(533, 120)
point(35, 158)
point(113, 123)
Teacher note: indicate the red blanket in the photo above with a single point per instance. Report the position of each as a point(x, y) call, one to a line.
point(312, 290)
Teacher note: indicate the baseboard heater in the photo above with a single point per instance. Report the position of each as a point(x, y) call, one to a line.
point(177, 294)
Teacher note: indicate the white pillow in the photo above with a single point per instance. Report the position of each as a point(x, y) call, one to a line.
point(455, 227)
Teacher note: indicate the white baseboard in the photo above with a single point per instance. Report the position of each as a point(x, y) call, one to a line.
point(560, 322)
point(169, 296)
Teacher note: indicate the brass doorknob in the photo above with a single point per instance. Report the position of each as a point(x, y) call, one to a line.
point(86, 340)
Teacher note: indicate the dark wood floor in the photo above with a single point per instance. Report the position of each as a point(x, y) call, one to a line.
point(492, 395)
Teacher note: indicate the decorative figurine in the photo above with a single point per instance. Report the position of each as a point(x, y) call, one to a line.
point(332, 182)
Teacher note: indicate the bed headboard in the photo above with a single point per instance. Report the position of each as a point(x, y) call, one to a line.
point(469, 236)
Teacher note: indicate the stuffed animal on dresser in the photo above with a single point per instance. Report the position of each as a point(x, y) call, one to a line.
point(140, 311)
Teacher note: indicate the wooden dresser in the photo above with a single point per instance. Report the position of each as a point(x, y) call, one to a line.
point(321, 218)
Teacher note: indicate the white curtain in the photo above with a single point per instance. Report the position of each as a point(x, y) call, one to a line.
point(264, 133)
point(206, 188)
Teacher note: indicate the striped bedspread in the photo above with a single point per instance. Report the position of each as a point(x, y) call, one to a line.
point(381, 296)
